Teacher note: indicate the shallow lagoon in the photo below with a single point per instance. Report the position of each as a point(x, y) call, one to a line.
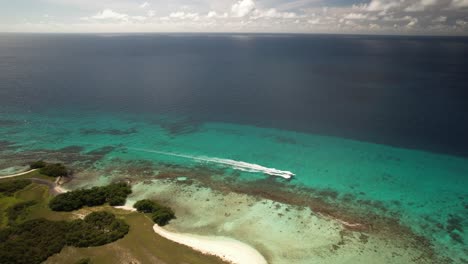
point(338, 179)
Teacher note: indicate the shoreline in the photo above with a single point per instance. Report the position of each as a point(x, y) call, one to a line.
point(17, 174)
point(227, 249)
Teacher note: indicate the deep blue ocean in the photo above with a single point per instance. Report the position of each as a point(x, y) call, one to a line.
point(409, 92)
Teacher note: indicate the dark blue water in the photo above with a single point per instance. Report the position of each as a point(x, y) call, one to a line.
point(404, 91)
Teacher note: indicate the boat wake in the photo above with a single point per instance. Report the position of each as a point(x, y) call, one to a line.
point(238, 165)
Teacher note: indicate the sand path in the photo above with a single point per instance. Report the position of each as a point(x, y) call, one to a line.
point(17, 174)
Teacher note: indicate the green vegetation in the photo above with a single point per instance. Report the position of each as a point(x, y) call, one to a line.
point(161, 215)
point(84, 261)
point(8, 188)
point(35, 240)
point(37, 164)
point(54, 170)
point(18, 211)
point(146, 206)
point(114, 194)
point(140, 245)
point(50, 169)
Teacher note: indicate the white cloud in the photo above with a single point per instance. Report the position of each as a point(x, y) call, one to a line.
point(242, 8)
point(273, 13)
point(397, 19)
point(356, 16)
point(110, 14)
point(420, 5)
point(214, 14)
point(144, 5)
point(315, 21)
point(381, 5)
point(459, 3)
point(151, 13)
point(139, 18)
point(440, 19)
point(412, 23)
point(461, 23)
point(183, 15)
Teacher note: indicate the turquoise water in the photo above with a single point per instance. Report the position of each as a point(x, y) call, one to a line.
point(425, 191)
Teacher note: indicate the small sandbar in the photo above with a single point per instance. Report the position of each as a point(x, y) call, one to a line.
point(228, 249)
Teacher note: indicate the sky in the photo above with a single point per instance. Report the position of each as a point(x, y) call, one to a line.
point(426, 17)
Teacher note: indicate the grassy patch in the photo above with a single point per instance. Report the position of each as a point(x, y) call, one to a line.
point(140, 245)
point(32, 174)
point(5, 203)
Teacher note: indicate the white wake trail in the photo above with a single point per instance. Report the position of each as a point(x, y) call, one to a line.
point(238, 165)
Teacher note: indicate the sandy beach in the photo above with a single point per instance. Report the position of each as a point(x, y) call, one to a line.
point(228, 249)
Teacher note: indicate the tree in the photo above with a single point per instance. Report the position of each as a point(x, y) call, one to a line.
point(163, 215)
point(37, 164)
point(146, 206)
point(114, 194)
point(10, 187)
point(54, 170)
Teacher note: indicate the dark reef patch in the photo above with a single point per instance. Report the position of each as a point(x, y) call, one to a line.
point(6, 122)
point(71, 149)
point(110, 131)
point(101, 151)
point(6, 145)
point(285, 140)
point(179, 127)
point(455, 228)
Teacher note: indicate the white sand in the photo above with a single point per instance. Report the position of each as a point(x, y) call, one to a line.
point(126, 208)
point(17, 174)
point(228, 249)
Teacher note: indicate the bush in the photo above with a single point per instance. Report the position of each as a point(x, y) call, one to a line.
point(16, 211)
point(163, 216)
point(84, 261)
point(67, 202)
point(34, 241)
point(117, 200)
point(146, 206)
point(10, 187)
point(37, 164)
point(54, 170)
point(98, 228)
point(114, 194)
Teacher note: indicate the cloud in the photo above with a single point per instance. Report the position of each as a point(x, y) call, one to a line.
point(304, 16)
point(356, 16)
point(151, 13)
point(412, 22)
point(273, 13)
point(144, 5)
point(110, 14)
point(214, 14)
point(242, 8)
point(381, 5)
point(139, 18)
point(420, 5)
point(440, 19)
point(461, 23)
point(459, 3)
point(182, 15)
